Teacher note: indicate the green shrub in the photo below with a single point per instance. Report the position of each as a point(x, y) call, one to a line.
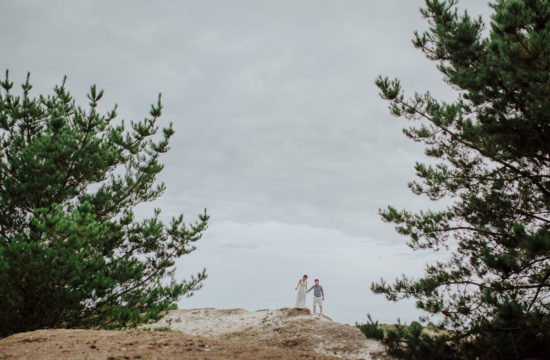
point(371, 329)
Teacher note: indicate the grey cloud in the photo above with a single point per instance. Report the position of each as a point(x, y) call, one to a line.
point(277, 121)
point(274, 105)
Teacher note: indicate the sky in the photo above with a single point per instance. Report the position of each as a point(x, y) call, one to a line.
point(280, 131)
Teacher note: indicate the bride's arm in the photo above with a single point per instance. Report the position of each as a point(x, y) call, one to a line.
point(297, 285)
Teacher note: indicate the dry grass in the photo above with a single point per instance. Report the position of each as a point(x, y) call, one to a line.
point(311, 335)
point(205, 334)
point(287, 328)
point(118, 345)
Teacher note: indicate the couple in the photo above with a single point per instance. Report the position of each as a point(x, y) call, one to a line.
point(318, 294)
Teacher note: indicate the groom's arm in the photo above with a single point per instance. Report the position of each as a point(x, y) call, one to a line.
point(309, 289)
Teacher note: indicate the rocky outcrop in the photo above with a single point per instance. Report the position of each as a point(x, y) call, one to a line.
point(204, 334)
point(287, 328)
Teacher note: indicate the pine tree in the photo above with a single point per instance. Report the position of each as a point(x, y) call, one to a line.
point(72, 253)
point(492, 165)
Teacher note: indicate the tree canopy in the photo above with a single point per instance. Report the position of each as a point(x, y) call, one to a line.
point(492, 165)
point(72, 253)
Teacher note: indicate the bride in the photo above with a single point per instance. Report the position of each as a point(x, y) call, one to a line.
point(301, 297)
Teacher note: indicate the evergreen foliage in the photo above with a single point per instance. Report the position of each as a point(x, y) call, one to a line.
point(371, 329)
point(72, 253)
point(492, 151)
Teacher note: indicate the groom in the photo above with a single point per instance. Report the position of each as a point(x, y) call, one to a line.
point(318, 296)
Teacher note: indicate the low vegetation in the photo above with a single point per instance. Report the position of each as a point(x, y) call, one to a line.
point(409, 341)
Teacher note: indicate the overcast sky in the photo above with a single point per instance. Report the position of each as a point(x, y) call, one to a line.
point(280, 131)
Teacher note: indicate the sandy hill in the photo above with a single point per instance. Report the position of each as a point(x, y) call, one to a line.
point(204, 334)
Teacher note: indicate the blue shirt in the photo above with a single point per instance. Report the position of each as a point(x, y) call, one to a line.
point(317, 290)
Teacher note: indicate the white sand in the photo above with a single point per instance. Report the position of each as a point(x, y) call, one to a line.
point(326, 336)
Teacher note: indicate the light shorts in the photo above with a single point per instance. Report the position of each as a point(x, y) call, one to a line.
point(317, 300)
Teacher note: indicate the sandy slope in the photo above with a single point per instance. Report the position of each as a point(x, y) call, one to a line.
point(204, 334)
point(123, 345)
point(283, 328)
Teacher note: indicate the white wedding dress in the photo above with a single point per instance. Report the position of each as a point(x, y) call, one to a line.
point(301, 297)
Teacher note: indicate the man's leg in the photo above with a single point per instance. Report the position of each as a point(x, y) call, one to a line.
point(321, 309)
point(314, 309)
